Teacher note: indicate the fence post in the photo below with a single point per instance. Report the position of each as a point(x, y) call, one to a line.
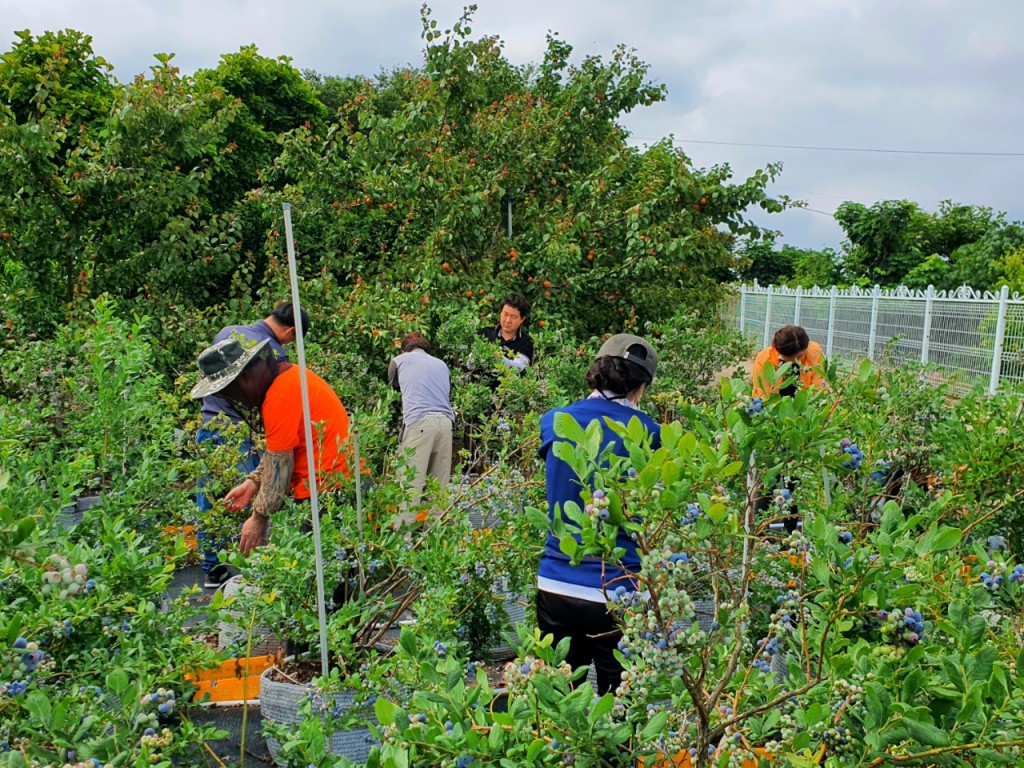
point(873, 330)
point(767, 317)
point(997, 348)
point(796, 306)
point(743, 309)
point(926, 331)
point(831, 320)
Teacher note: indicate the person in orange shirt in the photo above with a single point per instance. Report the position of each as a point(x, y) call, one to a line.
point(253, 379)
point(790, 345)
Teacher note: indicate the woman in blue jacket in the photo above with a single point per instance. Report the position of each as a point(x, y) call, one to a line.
point(571, 599)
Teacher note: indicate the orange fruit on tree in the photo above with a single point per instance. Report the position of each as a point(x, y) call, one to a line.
point(540, 323)
point(547, 283)
point(469, 294)
point(446, 267)
point(703, 201)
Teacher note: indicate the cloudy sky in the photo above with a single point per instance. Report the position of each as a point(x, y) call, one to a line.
point(917, 76)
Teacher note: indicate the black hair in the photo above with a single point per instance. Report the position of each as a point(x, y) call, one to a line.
point(284, 313)
point(518, 302)
point(791, 340)
point(613, 374)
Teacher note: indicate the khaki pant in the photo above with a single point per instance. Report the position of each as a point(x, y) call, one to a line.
point(430, 439)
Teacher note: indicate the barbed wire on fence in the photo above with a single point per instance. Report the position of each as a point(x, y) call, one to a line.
point(976, 337)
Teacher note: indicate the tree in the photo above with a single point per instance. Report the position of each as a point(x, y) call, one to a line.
point(979, 264)
point(759, 260)
point(879, 247)
point(56, 75)
point(422, 194)
point(269, 97)
point(812, 268)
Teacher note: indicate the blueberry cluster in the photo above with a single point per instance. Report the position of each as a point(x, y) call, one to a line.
point(598, 506)
point(768, 647)
point(787, 617)
point(783, 496)
point(881, 471)
point(162, 700)
point(756, 406)
point(64, 580)
point(153, 740)
point(692, 513)
point(516, 673)
point(30, 658)
point(464, 762)
point(856, 456)
point(845, 537)
point(440, 648)
point(906, 625)
point(992, 579)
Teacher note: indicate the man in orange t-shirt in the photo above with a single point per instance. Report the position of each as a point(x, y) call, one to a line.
point(255, 380)
point(790, 345)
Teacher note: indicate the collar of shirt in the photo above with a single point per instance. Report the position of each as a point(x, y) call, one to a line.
point(603, 394)
point(518, 333)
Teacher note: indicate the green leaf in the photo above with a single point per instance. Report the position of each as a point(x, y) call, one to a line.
point(38, 707)
point(593, 440)
point(568, 545)
point(602, 708)
point(535, 748)
point(496, 738)
point(946, 539)
point(926, 733)
point(407, 639)
point(654, 726)
point(669, 473)
point(118, 683)
point(731, 469)
point(538, 518)
point(385, 711)
point(979, 666)
point(567, 428)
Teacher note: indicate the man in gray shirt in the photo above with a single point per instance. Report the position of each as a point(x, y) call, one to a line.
point(427, 416)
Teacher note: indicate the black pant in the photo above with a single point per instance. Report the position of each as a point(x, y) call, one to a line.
point(593, 632)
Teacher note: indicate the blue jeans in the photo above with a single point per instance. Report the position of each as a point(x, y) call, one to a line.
point(247, 464)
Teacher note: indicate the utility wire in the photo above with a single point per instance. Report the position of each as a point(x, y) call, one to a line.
point(842, 149)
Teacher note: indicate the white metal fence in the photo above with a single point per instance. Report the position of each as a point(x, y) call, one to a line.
point(977, 338)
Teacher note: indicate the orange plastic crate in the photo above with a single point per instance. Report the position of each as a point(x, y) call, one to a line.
point(682, 760)
point(235, 681)
point(187, 531)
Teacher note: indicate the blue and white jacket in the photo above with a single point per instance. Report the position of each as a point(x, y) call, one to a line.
point(556, 574)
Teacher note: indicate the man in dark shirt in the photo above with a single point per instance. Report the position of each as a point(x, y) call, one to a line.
point(510, 334)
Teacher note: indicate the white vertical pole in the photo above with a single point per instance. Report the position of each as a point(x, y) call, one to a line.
point(796, 305)
point(743, 309)
point(831, 321)
point(926, 331)
point(873, 332)
point(358, 475)
point(767, 317)
point(510, 218)
point(997, 348)
point(314, 497)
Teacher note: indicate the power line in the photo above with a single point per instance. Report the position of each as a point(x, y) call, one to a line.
point(812, 210)
point(843, 149)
